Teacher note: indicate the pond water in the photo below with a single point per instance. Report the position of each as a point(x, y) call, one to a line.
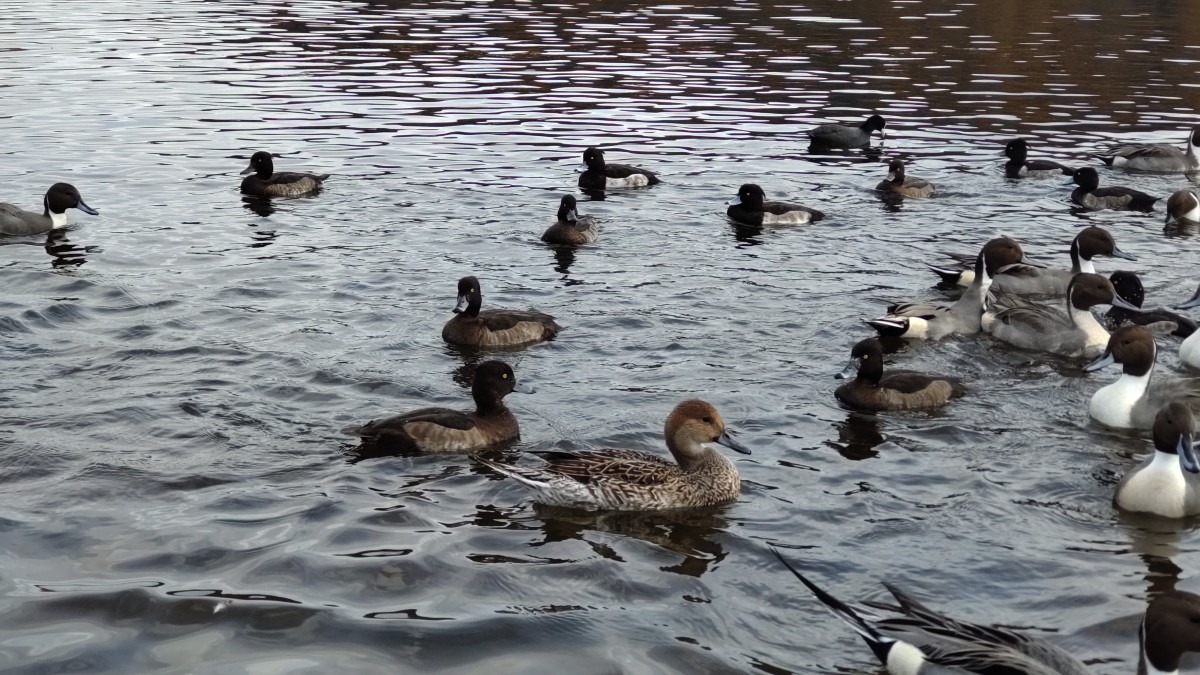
point(177, 498)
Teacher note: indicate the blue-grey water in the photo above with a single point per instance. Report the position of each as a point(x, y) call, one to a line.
point(174, 493)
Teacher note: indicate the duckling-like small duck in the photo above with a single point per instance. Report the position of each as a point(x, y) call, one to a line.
point(1129, 287)
point(1157, 158)
point(15, 221)
point(751, 208)
point(874, 390)
point(844, 136)
point(1134, 399)
point(599, 175)
point(1183, 205)
point(1189, 351)
point(1167, 484)
point(446, 430)
point(1091, 196)
point(1020, 166)
point(266, 183)
point(633, 480)
point(897, 183)
point(493, 327)
point(571, 229)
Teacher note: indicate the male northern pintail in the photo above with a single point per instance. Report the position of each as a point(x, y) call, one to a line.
point(1129, 287)
point(493, 327)
point(446, 430)
point(1133, 400)
point(264, 182)
point(1023, 278)
point(922, 641)
point(60, 197)
point(633, 480)
point(1167, 483)
point(1183, 205)
point(1075, 332)
point(844, 136)
point(599, 175)
point(932, 321)
point(898, 183)
point(571, 228)
point(1091, 196)
point(875, 390)
point(1020, 166)
point(751, 208)
point(1189, 351)
point(1157, 158)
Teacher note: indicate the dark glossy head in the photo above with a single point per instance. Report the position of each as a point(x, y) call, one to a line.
point(1088, 290)
point(1017, 150)
point(1129, 287)
point(895, 171)
point(63, 196)
point(469, 296)
point(997, 253)
point(1086, 178)
point(566, 209)
point(1170, 628)
point(872, 124)
point(751, 196)
point(1194, 137)
point(1093, 241)
point(260, 164)
point(866, 362)
point(493, 381)
point(1132, 346)
point(593, 159)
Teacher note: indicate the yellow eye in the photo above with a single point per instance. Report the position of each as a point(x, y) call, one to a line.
point(866, 356)
point(504, 375)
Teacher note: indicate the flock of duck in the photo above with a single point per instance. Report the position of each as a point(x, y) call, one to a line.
point(1000, 287)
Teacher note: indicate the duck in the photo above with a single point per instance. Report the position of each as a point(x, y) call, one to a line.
point(1157, 158)
point(634, 480)
point(1091, 196)
point(897, 183)
point(571, 229)
point(844, 136)
point(266, 183)
point(874, 390)
point(750, 208)
point(922, 641)
point(494, 327)
point(598, 175)
point(1133, 400)
point(16, 221)
point(1189, 351)
point(1072, 333)
point(442, 430)
point(1129, 287)
point(1183, 205)
point(1167, 483)
point(920, 320)
point(1020, 166)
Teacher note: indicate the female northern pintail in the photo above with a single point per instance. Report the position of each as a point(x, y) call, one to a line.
point(1189, 351)
point(1020, 166)
point(60, 197)
point(1129, 287)
point(845, 137)
point(1091, 196)
point(266, 183)
point(633, 480)
point(1157, 158)
point(931, 321)
point(922, 641)
point(1183, 205)
point(571, 228)
point(1133, 400)
point(599, 175)
point(446, 430)
point(1024, 279)
point(1167, 484)
point(493, 327)
point(1075, 332)
point(751, 208)
point(874, 390)
point(897, 183)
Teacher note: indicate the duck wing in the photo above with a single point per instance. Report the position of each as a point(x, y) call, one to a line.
point(1150, 152)
point(919, 310)
point(292, 177)
point(443, 417)
point(632, 467)
point(625, 171)
point(504, 319)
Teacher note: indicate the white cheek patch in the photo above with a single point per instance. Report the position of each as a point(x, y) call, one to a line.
point(789, 218)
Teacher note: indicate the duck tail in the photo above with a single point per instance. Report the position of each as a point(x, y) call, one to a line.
point(888, 326)
point(1107, 159)
point(949, 276)
point(516, 473)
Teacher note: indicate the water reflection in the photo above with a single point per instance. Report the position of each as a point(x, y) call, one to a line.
point(63, 252)
point(858, 436)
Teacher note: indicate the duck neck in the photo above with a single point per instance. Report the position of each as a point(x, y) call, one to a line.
point(1079, 264)
point(57, 218)
point(473, 305)
point(486, 402)
point(1145, 665)
point(870, 372)
point(1085, 321)
point(693, 456)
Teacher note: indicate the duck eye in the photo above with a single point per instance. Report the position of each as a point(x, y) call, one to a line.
point(504, 375)
point(707, 420)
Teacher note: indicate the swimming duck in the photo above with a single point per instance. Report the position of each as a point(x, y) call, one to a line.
point(445, 430)
point(1167, 484)
point(1183, 205)
point(266, 183)
point(845, 137)
point(1129, 287)
point(571, 229)
point(1075, 332)
point(874, 390)
point(1020, 166)
point(493, 327)
point(897, 183)
point(597, 175)
point(1189, 351)
point(749, 208)
point(1133, 400)
point(60, 197)
point(1157, 158)
point(1091, 196)
point(633, 480)
point(924, 642)
point(932, 321)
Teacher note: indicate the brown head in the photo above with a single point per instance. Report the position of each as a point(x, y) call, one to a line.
point(691, 430)
point(1132, 346)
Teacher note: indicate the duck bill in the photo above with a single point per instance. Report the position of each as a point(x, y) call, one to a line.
point(849, 371)
point(1187, 454)
point(581, 168)
point(1194, 301)
point(1106, 359)
point(726, 440)
point(522, 388)
point(572, 216)
point(1118, 301)
point(86, 209)
point(463, 303)
point(1118, 253)
point(734, 202)
point(249, 169)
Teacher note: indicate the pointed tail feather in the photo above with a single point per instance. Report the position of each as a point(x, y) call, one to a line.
point(949, 276)
point(516, 473)
point(888, 326)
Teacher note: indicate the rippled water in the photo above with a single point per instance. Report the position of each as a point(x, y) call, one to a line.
point(176, 497)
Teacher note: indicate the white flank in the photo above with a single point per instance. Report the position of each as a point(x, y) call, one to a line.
point(789, 218)
point(636, 180)
point(1189, 351)
point(904, 659)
